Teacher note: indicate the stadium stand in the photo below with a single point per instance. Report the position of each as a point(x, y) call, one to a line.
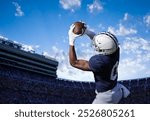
point(29, 78)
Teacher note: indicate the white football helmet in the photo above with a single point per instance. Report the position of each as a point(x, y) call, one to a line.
point(105, 43)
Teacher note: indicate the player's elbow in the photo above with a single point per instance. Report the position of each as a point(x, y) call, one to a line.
point(72, 63)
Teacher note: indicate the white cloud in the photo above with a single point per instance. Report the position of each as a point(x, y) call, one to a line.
point(125, 17)
point(135, 58)
point(65, 70)
point(45, 53)
point(19, 12)
point(95, 6)
point(70, 4)
point(147, 20)
point(134, 44)
point(29, 48)
point(130, 68)
point(122, 31)
point(2, 37)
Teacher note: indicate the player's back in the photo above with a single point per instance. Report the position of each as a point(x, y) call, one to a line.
point(104, 68)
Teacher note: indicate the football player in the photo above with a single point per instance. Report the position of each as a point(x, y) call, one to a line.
point(104, 65)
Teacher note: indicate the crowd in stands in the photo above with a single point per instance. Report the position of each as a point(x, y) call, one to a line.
point(20, 86)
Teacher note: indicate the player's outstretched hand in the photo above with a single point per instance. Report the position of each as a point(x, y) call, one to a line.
point(77, 29)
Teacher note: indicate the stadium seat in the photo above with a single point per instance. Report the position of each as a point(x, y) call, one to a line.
point(126, 83)
point(31, 88)
point(134, 83)
point(142, 82)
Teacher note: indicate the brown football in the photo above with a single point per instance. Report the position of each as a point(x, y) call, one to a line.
point(79, 28)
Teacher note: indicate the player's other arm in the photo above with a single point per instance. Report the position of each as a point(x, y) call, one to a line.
point(89, 33)
point(77, 63)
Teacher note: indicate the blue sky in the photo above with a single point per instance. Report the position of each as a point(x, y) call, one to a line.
point(43, 25)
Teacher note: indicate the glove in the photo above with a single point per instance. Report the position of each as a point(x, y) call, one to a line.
point(72, 36)
point(88, 32)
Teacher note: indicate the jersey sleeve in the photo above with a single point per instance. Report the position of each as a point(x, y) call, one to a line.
point(96, 64)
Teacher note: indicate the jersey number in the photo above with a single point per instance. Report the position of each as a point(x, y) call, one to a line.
point(114, 72)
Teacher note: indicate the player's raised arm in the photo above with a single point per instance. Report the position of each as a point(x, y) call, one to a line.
point(76, 30)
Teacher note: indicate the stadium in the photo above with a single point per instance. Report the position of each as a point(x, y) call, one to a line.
point(30, 78)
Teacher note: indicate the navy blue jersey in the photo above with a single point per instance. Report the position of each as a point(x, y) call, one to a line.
point(105, 71)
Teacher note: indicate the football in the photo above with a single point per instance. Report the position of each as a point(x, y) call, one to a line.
point(79, 28)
